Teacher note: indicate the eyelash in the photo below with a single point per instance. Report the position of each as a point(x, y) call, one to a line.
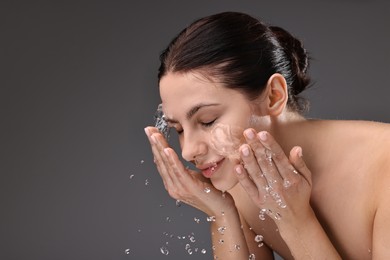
point(207, 124)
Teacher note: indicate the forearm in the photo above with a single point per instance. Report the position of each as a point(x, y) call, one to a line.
point(228, 237)
point(309, 241)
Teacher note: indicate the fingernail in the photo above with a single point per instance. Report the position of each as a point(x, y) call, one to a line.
point(263, 136)
point(245, 151)
point(299, 152)
point(146, 131)
point(166, 151)
point(249, 134)
point(238, 170)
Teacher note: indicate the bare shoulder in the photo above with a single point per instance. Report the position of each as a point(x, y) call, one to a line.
point(369, 132)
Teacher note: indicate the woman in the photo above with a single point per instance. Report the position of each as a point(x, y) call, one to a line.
point(271, 179)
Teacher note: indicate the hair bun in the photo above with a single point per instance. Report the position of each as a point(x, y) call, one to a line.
point(298, 55)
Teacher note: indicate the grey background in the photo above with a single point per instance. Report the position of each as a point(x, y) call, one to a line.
point(78, 85)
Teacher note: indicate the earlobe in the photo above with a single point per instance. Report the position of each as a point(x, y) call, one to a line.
point(277, 94)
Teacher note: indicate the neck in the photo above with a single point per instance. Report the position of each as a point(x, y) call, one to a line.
point(291, 129)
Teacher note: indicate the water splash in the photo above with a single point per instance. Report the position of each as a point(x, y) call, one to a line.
point(211, 219)
point(259, 238)
point(262, 214)
point(160, 122)
point(164, 250)
point(226, 139)
point(222, 230)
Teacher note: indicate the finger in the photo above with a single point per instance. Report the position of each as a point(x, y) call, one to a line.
point(282, 163)
point(264, 157)
point(176, 167)
point(296, 158)
point(256, 194)
point(153, 130)
point(252, 167)
point(158, 159)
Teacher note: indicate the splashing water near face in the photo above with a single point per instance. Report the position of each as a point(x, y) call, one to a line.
point(160, 122)
point(226, 139)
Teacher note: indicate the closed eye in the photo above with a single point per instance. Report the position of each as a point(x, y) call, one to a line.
point(178, 131)
point(208, 124)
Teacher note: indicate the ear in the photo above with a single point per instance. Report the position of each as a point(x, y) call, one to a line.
point(277, 94)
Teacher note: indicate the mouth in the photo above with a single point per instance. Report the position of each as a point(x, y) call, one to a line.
point(209, 169)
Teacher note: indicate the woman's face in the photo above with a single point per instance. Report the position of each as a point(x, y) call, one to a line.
point(209, 119)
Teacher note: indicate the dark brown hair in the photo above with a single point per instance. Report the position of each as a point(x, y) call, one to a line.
point(242, 53)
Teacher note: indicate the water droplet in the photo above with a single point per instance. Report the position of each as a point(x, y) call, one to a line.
point(146, 182)
point(139, 230)
point(223, 213)
point(286, 183)
point(259, 238)
point(222, 230)
point(127, 251)
point(196, 220)
point(187, 246)
point(164, 250)
point(168, 219)
point(211, 219)
point(260, 244)
point(262, 214)
point(268, 155)
point(142, 161)
point(207, 190)
point(221, 241)
point(131, 176)
point(237, 247)
point(252, 257)
point(178, 203)
point(203, 251)
point(192, 239)
point(189, 251)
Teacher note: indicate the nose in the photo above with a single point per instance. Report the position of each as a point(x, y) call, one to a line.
point(193, 146)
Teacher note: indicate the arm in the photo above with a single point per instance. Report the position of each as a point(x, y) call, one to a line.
point(381, 227)
point(233, 239)
point(229, 239)
point(281, 187)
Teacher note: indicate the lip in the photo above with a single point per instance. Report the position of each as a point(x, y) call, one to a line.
point(210, 168)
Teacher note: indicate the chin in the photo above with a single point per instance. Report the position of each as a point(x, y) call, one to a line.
point(225, 182)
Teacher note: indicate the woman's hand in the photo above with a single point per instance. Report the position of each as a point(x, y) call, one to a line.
point(184, 184)
point(278, 185)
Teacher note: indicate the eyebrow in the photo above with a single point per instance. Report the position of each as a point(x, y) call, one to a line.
point(193, 111)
